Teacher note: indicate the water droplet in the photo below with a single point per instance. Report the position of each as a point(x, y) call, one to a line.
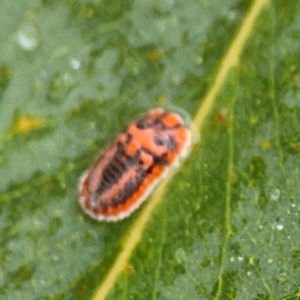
point(75, 63)
point(240, 258)
point(270, 260)
point(279, 225)
point(275, 194)
point(293, 205)
point(28, 37)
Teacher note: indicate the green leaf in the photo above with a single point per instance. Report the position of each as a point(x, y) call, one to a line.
point(74, 73)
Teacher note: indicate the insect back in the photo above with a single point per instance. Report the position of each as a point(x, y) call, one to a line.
point(128, 170)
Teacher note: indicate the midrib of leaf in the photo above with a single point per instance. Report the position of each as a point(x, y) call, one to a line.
point(134, 234)
point(163, 230)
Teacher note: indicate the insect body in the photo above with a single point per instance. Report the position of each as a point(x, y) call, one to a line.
point(124, 175)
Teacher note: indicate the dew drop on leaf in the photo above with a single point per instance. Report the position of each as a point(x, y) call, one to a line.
point(279, 225)
point(75, 63)
point(28, 37)
point(240, 258)
point(275, 194)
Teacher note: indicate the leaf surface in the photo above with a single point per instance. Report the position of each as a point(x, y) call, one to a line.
point(74, 73)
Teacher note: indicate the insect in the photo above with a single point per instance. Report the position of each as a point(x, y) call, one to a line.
point(127, 171)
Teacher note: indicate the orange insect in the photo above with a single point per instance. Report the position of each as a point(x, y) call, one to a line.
point(128, 170)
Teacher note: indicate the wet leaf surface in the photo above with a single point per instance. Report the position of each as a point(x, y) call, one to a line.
point(74, 73)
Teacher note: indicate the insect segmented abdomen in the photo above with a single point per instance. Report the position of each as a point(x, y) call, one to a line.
point(121, 179)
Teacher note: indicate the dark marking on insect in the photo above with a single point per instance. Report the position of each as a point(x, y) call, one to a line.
point(123, 176)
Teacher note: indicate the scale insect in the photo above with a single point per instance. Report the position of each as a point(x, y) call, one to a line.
point(124, 175)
